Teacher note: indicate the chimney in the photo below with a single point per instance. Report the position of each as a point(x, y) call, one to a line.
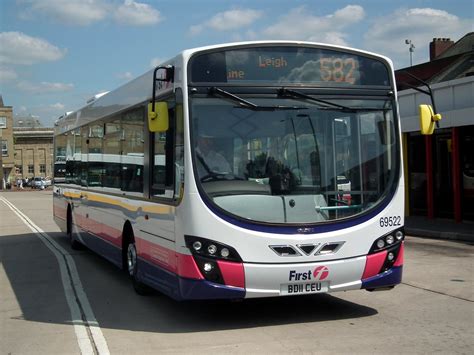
point(439, 46)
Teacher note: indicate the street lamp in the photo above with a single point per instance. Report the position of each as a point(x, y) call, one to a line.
point(411, 48)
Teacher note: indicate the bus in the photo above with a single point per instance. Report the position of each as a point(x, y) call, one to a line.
point(242, 170)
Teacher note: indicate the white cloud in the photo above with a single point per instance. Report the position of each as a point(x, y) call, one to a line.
point(137, 14)
point(57, 106)
point(300, 24)
point(125, 76)
point(7, 74)
point(70, 12)
point(228, 21)
point(19, 48)
point(387, 34)
point(44, 87)
point(86, 12)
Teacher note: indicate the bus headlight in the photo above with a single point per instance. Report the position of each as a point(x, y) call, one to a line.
point(208, 267)
point(387, 241)
point(225, 252)
point(211, 249)
point(207, 254)
point(399, 235)
point(197, 245)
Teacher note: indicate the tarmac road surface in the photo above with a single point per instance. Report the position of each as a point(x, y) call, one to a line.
point(44, 285)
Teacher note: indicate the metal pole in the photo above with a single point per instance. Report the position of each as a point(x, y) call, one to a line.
point(411, 49)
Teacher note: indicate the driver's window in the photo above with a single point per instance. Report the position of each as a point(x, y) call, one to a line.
point(160, 163)
point(168, 153)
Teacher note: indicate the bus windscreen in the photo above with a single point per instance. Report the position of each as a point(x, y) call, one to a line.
point(278, 65)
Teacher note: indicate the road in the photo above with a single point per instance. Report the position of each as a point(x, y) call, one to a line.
point(431, 311)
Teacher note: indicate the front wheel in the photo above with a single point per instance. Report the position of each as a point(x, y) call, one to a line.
point(132, 269)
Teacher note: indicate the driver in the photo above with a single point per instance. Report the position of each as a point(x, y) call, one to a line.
point(210, 161)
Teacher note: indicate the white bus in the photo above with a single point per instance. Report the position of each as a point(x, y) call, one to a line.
point(253, 169)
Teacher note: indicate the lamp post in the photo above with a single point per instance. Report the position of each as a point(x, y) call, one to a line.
point(411, 49)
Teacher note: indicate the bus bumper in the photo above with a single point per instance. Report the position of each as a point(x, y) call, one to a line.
point(273, 280)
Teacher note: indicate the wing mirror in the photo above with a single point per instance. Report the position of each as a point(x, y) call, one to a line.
point(158, 120)
point(428, 116)
point(428, 119)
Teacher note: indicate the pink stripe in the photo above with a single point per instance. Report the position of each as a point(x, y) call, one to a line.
point(187, 267)
point(399, 261)
point(373, 264)
point(233, 273)
point(180, 264)
point(113, 235)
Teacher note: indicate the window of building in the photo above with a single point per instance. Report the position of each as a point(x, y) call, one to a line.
point(43, 168)
point(31, 169)
point(3, 122)
point(4, 148)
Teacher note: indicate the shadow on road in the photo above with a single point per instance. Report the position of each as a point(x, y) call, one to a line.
point(34, 276)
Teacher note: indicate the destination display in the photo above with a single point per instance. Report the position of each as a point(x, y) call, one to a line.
point(288, 65)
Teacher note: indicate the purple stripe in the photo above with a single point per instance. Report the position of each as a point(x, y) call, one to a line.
point(388, 278)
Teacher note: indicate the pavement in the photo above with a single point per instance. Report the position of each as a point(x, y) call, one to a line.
point(419, 226)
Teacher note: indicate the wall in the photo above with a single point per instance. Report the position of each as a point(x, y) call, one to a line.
point(454, 100)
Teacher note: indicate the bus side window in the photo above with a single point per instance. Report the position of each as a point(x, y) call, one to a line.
point(133, 145)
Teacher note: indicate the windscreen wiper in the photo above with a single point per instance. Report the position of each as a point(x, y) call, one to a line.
point(214, 91)
point(326, 105)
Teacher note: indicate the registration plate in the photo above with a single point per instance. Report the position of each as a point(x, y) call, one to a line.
point(306, 288)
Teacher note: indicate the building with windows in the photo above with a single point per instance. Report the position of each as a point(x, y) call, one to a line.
point(440, 168)
point(7, 171)
point(33, 151)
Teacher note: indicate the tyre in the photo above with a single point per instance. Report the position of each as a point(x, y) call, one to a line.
point(132, 269)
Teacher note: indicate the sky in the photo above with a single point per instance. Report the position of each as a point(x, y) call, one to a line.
point(56, 54)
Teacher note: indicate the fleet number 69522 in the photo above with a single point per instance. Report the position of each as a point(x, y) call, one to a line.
point(390, 221)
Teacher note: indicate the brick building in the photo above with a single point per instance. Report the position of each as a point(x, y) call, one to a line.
point(439, 169)
point(7, 171)
point(33, 151)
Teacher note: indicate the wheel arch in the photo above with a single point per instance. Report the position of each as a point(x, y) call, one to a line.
point(69, 219)
point(127, 237)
